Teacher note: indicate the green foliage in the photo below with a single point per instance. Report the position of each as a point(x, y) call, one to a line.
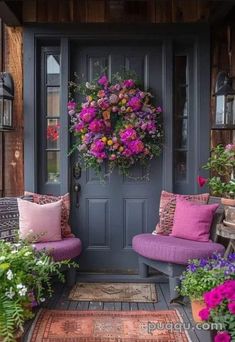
point(25, 277)
point(202, 275)
point(222, 165)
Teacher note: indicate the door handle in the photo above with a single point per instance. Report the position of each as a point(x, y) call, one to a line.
point(77, 189)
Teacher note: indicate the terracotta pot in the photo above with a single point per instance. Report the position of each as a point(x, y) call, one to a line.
point(197, 305)
point(228, 201)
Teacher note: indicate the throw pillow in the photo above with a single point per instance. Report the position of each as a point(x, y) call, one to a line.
point(39, 223)
point(167, 209)
point(44, 199)
point(9, 217)
point(192, 221)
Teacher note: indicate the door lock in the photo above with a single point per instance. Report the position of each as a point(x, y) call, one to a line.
point(77, 188)
point(77, 171)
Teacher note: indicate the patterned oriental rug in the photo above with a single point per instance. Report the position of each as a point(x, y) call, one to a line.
point(114, 292)
point(107, 326)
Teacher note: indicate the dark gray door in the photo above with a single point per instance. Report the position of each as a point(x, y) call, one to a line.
point(111, 214)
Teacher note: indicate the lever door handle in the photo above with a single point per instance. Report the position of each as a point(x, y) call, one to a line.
point(77, 189)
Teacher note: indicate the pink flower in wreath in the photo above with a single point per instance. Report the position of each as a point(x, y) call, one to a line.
point(129, 83)
point(71, 105)
point(87, 114)
point(96, 126)
point(135, 103)
point(97, 146)
point(78, 127)
point(128, 135)
point(127, 152)
point(136, 146)
point(103, 80)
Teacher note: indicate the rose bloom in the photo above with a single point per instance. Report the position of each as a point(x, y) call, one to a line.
point(96, 126)
point(135, 103)
point(136, 146)
point(128, 135)
point(129, 83)
point(87, 114)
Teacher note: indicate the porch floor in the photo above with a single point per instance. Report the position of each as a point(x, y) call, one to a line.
point(60, 301)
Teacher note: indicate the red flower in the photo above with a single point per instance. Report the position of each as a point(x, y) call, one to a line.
point(53, 132)
point(201, 181)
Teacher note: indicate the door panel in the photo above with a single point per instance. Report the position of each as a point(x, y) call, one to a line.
point(111, 213)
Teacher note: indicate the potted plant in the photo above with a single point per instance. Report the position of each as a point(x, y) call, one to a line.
point(222, 166)
point(201, 275)
point(220, 310)
point(25, 277)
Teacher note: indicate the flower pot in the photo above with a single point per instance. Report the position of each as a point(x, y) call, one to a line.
point(228, 201)
point(197, 305)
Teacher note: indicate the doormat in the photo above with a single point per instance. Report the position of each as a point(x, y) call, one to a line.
point(114, 292)
point(106, 326)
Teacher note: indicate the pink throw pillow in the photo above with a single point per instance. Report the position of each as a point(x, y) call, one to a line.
point(167, 209)
point(39, 223)
point(193, 221)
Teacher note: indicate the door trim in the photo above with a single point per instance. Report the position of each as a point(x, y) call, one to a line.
point(36, 34)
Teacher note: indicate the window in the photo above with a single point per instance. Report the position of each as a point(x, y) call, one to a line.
point(181, 116)
point(50, 113)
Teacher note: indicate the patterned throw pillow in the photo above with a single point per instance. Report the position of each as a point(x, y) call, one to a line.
point(9, 217)
point(167, 210)
point(44, 199)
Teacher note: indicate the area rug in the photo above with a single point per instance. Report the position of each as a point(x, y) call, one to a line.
point(107, 326)
point(114, 292)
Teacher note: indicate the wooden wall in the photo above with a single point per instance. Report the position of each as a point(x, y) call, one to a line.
point(12, 142)
point(86, 11)
point(90, 11)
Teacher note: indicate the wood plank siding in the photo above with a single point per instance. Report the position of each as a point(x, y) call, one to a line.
point(218, 13)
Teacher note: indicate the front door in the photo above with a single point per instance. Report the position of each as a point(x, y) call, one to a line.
point(174, 64)
point(111, 213)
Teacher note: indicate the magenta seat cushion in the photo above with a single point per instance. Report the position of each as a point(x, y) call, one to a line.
point(172, 249)
point(193, 221)
point(68, 248)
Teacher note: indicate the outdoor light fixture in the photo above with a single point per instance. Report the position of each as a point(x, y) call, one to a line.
point(225, 102)
point(6, 102)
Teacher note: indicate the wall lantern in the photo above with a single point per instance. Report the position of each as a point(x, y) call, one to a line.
point(6, 102)
point(225, 102)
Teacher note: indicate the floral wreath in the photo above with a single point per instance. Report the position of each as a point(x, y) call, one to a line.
point(116, 123)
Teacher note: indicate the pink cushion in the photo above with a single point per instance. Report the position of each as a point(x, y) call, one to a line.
point(193, 221)
point(65, 249)
point(39, 222)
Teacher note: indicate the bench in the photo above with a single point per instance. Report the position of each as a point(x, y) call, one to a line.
point(170, 255)
point(65, 249)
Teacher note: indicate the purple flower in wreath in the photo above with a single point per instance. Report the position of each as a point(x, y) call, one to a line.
point(103, 80)
point(135, 103)
point(97, 146)
point(136, 146)
point(129, 83)
point(79, 126)
point(128, 135)
point(96, 126)
point(87, 114)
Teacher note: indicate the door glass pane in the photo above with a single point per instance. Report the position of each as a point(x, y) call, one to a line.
point(181, 114)
point(53, 101)
point(53, 69)
point(180, 169)
point(53, 133)
point(53, 166)
point(181, 132)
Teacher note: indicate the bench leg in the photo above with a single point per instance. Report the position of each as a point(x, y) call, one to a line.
point(143, 269)
point(173, 282)
point(71, 276)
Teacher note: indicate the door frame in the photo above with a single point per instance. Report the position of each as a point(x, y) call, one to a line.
point(34, 35)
